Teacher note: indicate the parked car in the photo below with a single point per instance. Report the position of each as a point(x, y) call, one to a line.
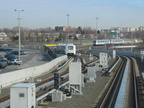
point(17, 52)
point(2, 65)
point(2, 49)
point(7, 62)
point(16, 61)
point(1, 58)
point(8, 51)
point(10, 56)
point(23, 52)
point(4, 61)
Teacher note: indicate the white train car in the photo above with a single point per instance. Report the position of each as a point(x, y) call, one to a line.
point(101, 42)
point(117, 41)
point(107, 41)
point(68, 49)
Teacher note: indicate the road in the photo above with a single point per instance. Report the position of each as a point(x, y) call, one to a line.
point(33, 57)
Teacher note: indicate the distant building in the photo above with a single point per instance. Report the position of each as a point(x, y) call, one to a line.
point(128, 29)
point(131, 29)
point(141, 28)
point(3, 36)
point(125, 29)
point(64, 29)
point(60, 28)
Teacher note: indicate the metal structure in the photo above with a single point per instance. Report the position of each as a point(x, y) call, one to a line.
point(56, 80)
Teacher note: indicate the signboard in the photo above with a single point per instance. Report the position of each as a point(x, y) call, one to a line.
point(113, 33)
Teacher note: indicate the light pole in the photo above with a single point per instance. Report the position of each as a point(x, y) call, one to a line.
point(19, 19)
point(97, 26)
point(68, 27)
point(132, 42)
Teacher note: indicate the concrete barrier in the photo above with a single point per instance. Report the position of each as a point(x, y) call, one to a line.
point(13, 77)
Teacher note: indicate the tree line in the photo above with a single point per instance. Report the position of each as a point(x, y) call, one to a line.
point(51, 35)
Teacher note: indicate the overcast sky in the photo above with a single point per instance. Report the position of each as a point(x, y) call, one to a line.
point(51, 13)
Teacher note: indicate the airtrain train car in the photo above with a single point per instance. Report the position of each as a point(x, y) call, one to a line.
point(107, 41)
point(68, 49)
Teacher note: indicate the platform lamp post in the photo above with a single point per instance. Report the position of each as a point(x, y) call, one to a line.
point(68, 27)
point(19, 19)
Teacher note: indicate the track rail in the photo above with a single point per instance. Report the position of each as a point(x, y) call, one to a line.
point(108, 98)
point(132, 100)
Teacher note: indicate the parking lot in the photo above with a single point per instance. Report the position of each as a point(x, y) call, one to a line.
point(33, 57)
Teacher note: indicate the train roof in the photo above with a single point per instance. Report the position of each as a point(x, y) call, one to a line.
point(116, 39)
point(106, 39)
point(66, 44)
point(101, 39)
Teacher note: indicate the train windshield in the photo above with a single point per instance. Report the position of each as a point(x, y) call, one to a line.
point(70, 47)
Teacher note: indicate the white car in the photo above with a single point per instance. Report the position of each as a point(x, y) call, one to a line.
point(16, 61)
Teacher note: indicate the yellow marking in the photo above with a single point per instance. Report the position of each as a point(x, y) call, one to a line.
point(51, 45)
point(87, 44)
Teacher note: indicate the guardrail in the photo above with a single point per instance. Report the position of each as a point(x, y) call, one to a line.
point(114, 65)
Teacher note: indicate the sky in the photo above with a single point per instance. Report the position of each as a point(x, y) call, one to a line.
point(51, 13)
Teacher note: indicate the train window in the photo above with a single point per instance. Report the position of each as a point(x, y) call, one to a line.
point(70, 47)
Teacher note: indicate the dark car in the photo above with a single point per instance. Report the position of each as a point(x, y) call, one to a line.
point(10, 56)
point(2, 65)
point(7, 62)
point(17, 52)
point(8, 51)
point(23, 52)
point(1, 58)
point(2, 49)
point(4, 61)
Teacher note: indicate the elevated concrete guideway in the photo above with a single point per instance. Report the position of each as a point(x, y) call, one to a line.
point(128, 46)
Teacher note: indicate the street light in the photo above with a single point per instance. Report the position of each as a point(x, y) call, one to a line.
point(19, 19)
point(68, 27)
point(132, 42)
point(97, 25)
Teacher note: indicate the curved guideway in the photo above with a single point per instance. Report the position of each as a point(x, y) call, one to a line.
point(122, 92)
